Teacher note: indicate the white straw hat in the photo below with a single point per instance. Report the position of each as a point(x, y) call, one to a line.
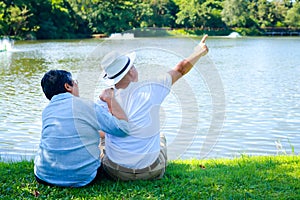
point(115, 66)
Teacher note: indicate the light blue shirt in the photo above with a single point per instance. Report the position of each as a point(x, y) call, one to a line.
point(68, 153)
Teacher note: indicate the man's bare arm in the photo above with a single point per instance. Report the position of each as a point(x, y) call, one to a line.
point(184, 66)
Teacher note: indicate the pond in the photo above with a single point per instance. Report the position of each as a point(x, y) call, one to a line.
point(242, 98)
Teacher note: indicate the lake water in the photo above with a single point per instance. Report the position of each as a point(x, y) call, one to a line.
point(242, 98)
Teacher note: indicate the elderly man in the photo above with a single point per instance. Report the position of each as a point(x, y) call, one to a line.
point(143, 154)
point(68, 153)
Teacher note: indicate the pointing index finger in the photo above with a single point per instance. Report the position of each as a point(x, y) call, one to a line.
point(204, 38)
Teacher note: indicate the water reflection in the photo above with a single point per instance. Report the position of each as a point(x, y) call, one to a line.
point(262, 96)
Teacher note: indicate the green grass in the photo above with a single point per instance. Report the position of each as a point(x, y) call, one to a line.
point(247, 177)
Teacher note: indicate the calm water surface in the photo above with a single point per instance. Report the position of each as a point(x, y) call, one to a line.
point(256, 102)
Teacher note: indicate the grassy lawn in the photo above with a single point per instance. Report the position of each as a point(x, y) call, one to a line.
point(247, 177)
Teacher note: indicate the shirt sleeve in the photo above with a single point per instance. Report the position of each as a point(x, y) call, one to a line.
point(161, 87)
point(109, 123)
point(103, 105)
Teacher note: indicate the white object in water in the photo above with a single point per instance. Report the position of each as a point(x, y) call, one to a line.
point(6, 44)
point(121, 36)
point(234, 35)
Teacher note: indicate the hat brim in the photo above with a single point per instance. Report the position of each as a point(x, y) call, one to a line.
point(111, 82)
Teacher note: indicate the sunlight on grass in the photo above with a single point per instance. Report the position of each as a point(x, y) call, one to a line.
point(246, 177)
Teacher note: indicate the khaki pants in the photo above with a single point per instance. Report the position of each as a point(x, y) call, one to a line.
point(154, 171)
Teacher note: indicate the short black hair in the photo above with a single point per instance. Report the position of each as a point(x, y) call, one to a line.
point(53, 82)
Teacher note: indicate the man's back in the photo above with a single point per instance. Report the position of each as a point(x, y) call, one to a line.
point(141, 102)
point(63, 152)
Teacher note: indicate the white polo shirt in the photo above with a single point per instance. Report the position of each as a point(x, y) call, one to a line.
point(141, 102)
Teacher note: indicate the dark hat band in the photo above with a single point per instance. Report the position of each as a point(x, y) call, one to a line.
point(120, 72)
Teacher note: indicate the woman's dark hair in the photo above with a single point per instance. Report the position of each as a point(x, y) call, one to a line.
point(53, 82)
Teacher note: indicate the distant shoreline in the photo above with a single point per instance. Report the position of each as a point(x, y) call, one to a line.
point(150, 32)
point(194, 32)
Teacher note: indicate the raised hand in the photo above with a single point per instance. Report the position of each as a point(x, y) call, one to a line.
point(201, 47)
point(107, 95)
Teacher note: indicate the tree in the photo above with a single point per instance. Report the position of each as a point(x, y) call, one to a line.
point(293, 16)
point(213, 9)
point(260, 12)
point(84, 13)
point(3, 25)
point(188, 15)
point(235, 13)
point(44, 19)
point(111, 16)
point(18, 20)
point(163, 13)
point(277, 12)
point(199, 13)
point(143, 14)
point(56, 19)
point(14, 16)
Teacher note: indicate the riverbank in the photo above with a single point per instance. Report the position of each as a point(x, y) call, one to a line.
point(241, 31)
point(196, 32)
point(247, 177)
point(190, 32)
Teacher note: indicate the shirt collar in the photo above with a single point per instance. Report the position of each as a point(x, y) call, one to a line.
point(61, 96)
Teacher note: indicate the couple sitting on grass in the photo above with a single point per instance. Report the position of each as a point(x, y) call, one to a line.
point(126, 119)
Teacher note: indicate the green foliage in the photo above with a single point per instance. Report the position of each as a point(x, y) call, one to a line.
point(163, 13)
point(248, 31)
point(293, 16)
point(197, 14)
point(260, 12)
point(187, 14)
point(16, 21)
point(3, 25)
point(265, 177)
point(113, 16)
point(235, 13)
point(54, 19)
point(212, 32)
point(62, 22)
point(278, 12)
point(41, 19)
